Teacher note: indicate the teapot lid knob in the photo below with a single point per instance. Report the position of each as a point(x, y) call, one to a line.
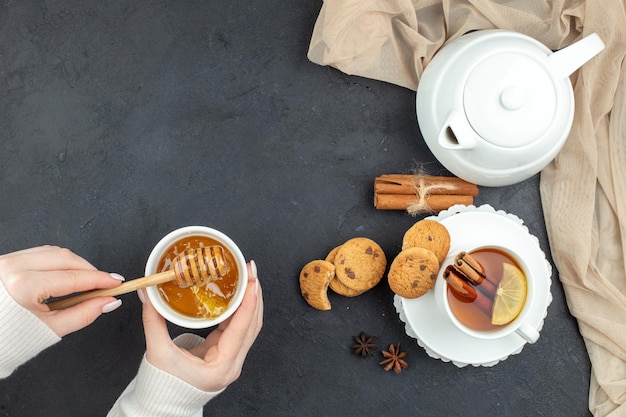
point(512, 98)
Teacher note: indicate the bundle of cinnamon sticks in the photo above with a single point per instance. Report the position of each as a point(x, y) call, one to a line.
point(417, 193)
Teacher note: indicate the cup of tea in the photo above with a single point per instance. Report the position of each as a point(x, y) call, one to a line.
point(200, 306)
point(488, 293)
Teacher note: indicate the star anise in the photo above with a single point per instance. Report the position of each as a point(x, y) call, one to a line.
point(364, 345)
point(393, 359)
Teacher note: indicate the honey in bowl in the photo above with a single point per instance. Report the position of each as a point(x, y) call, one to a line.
point(205, 301)
point(479, 313)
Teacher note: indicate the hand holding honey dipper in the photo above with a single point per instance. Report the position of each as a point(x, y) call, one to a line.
point(192, 267)
point(33, 275)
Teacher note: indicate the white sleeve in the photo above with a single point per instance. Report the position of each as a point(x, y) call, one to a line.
point(22, 334)
point(155, 393)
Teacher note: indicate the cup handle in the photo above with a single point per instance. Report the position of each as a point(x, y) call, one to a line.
point(528, 333)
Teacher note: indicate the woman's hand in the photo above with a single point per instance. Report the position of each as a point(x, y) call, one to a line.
point(217, 362)
point(31, 276)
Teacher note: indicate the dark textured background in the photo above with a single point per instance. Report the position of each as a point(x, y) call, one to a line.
point(121, 121)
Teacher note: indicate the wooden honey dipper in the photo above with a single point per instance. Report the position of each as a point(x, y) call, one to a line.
point(191, 267)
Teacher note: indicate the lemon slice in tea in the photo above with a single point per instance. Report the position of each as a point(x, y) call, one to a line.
point(510, 296)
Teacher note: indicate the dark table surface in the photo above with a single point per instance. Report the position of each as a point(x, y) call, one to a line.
point(121, 121)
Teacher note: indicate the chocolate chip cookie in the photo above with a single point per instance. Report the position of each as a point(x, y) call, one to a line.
point(314, 280)
point(428, 234)
point(360, 264)
point(413, 272)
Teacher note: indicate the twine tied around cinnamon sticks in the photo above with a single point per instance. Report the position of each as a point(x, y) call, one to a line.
point(420, 193)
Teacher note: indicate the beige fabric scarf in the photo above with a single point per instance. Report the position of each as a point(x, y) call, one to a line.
point(583, 190)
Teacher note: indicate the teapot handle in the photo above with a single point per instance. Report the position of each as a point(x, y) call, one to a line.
point(456, 133)
point(567, 60)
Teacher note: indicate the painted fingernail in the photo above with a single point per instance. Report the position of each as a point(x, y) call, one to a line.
point(253, 270)
point(117, 276)
point(113, 305)
point(141, 295)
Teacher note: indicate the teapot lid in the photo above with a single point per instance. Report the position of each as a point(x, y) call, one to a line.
point(510, 99)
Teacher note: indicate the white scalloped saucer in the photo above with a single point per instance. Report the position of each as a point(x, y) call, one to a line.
point(471, 226)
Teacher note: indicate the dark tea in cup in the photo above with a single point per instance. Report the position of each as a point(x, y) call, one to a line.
point(486, 290)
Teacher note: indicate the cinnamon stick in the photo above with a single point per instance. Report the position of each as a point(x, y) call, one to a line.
point(484, 303)
point(487, 288)
point(411, 184)
point(459, 285)
point(469, 267)
point(404, 201)
point(466, 292)
point(473, 271)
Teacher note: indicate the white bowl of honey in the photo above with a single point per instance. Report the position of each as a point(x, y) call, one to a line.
point(200, 306)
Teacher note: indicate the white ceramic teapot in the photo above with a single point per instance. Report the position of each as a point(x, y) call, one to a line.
point(495, 106)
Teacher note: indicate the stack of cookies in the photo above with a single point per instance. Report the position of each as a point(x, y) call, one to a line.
point(424, 247)
point(350, 270)
point(359, 264)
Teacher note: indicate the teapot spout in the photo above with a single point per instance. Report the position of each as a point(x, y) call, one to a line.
point(568, 60)
point(457, 133)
